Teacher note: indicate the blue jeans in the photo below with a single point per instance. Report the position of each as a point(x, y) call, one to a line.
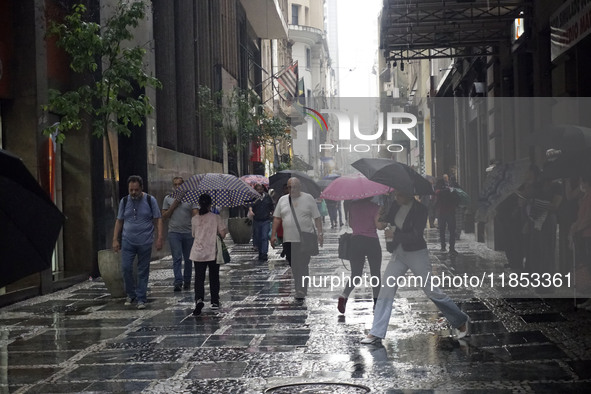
point(260, 231)
point(418, 262)
point(128, 253)
point(180, 248)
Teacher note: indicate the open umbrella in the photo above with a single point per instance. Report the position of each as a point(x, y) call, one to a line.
point(225, 190)
point(566, 137)
point(567, 165)
point(394, 174)
point(253, 180)
point(277, 180)
point(30, 222)
point(353, 187)
point(500, 183)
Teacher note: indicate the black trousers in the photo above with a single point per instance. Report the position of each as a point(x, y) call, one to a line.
point(214, 280)
point(447, 220)
point(362, 247)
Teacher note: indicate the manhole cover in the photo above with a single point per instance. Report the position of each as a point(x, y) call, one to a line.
point(318, 388)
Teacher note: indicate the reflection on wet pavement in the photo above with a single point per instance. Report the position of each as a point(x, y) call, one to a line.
point(262, 340)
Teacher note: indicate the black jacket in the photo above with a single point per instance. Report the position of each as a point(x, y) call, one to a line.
point(410, 236)
point(263, 208)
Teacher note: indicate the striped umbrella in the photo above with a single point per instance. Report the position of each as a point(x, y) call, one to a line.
point(253, 180)
point(225, 190)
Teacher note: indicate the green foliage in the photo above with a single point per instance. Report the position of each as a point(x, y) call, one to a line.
point(114, 71)
point(239, 117)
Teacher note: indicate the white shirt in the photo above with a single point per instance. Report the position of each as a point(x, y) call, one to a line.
point(306, 211)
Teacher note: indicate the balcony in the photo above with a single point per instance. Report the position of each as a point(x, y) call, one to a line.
point(266, 18)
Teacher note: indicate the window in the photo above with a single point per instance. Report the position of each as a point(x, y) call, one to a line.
point(295, 13)
point(308, 58)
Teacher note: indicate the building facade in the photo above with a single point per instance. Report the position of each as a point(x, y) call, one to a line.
point(220, 44)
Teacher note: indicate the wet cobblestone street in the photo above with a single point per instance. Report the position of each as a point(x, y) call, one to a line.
point(82, 340)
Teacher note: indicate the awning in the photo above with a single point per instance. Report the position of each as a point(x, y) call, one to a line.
point(428, 29)
point(266, 18)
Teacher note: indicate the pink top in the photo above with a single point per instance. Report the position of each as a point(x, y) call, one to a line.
point(204, 229)
point(362, 216)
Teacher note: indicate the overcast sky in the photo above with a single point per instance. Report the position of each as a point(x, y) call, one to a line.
point(358, 44)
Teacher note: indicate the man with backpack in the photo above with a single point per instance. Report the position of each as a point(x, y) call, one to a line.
point(135, 226)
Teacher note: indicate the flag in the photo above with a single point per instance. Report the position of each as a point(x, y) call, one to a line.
point(288, 78)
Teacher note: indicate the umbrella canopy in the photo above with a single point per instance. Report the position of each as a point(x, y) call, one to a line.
point(500, 183)
point(276, 181)
point(565, 137)
point(394, 174)
point(323, 183)
point(353, 188)
point(253, 180)
point(565, 165)
point(225, 190)
point(30, 222)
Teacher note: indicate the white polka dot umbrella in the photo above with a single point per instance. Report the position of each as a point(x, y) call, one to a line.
point(225, 190)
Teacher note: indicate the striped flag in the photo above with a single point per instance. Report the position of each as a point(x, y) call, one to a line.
point(288, 78)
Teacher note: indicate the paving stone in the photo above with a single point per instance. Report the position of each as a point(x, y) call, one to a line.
point(81, 340)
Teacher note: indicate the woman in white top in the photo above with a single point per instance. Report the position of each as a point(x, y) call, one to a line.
point(205, 226)
point(408, 218)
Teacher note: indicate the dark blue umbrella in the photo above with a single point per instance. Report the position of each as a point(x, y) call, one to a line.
point(225, 190)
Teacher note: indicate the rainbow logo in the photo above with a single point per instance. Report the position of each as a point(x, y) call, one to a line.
point(317, 117)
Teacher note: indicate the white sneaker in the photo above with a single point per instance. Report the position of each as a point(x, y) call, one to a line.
point(370, 340)
point(129, 301)
point(461, 334)
point(141, 305)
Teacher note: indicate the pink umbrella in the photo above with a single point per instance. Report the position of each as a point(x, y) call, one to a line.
point(354, 187)
point(255, 179)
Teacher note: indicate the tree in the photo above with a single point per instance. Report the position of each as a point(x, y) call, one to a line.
point(239, 117)
point(114, 72)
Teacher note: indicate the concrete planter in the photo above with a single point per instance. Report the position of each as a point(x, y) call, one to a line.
point(110, 267)
point(240, 229)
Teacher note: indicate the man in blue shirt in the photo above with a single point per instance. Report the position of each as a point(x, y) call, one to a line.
point(136, 218)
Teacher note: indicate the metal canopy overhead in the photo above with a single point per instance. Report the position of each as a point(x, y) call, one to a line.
point(429, 29)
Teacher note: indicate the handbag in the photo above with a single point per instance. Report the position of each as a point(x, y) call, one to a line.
point(222, 256)
point(345, 246)
point(308, 241)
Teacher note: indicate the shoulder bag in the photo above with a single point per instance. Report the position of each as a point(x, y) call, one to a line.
point(222, 256)
point(308, 241)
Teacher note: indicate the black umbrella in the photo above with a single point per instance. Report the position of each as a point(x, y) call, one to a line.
point(394, 174)
point(30, 222)
point(565, 137)
point(309, 185)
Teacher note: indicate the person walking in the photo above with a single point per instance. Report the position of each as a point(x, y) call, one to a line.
point(296, 209)
point(331, 207)
point(445, 205)
point(137, 214)
point(262, 214)
point(363, 219)
point(205, 227)
point(179, 236)
point(580, 240)
point(408, 218)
